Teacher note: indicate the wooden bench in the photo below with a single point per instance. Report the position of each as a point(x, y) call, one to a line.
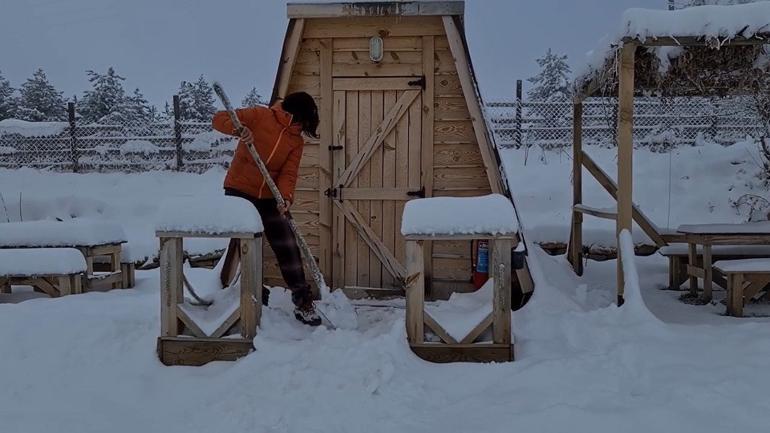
point(678, 258)
point(745, 279)
point(461, 219)
point(95, 239)
point(53, 271)
point(224, 331)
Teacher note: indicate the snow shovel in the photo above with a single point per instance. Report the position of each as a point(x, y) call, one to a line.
point(334, 307)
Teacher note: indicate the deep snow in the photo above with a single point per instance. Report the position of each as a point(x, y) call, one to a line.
point(86, 363)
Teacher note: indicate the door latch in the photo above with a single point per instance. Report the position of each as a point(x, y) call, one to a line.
point(419, 193)
point(418, 82)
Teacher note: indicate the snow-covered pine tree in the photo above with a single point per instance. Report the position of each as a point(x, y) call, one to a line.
point(40, 101)
point(168, 113)
point(133, 113)
point(553, 81)
point(196, 100)
point(7, 100)
point(105, 97)
point(253, 99)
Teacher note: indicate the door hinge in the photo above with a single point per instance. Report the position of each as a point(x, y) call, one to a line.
point(336, 147)
point(418, 82)
point(419, 193)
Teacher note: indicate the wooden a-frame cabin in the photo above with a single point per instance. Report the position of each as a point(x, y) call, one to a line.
point(401, 118)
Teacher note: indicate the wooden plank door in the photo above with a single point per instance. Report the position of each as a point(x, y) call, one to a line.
point(376, 157)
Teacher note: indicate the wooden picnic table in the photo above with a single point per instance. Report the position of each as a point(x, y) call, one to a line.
point(708, 235)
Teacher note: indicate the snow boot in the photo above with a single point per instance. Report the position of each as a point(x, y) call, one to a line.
point(304, 310)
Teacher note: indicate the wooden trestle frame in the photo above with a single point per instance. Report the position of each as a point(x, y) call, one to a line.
point(182, 341)
point(467, 349)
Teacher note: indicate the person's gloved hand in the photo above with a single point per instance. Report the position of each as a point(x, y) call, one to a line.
point(283, 209)
point(246, 135)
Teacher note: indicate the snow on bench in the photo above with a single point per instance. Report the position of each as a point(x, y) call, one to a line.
point(79, 232)
point(728, 229)
point(717, 250)
point(214, 215)
point(743, 265)
point(490, 215)
point(33, 262)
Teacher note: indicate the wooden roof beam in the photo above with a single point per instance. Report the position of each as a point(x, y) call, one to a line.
point(375, 9)
point(699, 41)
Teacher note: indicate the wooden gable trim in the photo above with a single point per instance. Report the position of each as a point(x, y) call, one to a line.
point(459, 51)
point(374, 9)
point(291, 44)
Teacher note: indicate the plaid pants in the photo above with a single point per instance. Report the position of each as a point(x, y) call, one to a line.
point(284, 245)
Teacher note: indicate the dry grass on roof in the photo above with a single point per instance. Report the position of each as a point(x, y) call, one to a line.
point(692, 71)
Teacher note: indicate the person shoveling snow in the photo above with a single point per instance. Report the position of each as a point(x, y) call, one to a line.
point(273, 137)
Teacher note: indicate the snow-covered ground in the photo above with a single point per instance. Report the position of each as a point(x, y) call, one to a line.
point(692, 185)
point(87, 363)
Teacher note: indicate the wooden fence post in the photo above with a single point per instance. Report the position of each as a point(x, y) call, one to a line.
point(73, 137)
point(517, 134)
point(178, 132)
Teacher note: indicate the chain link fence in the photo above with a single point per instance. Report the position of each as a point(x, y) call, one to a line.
point(76, 146)
point(193, 146)
point(658, 122)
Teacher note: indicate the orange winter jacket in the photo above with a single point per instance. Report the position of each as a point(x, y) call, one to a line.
point(279, 144)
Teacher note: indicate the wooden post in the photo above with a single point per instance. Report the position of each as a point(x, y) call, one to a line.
point(428, 117)
point(415, 292)
point(735, 295)
point(325, 158)
point(501, 308)
point(707, 273)
point(692, 261)
point(73, 137)
point(519, 106)
point(171, 283)
point(5, 285)
point(625, 151)
point(178, 132)
point(251, 286)
point(576, 233)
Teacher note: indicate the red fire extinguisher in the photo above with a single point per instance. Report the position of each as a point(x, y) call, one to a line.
point(481, 270)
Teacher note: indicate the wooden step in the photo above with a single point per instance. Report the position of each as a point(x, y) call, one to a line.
point(605, 213)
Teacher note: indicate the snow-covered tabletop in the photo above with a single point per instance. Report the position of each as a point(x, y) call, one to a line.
point(489, 215)
point(723, 250)
point(760, 228)
point(213, 215)
point(28, 262)
point(80, 232)
point(745, 265)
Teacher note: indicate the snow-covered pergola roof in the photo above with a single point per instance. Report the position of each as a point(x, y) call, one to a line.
point(700, 51)
point(672, 46)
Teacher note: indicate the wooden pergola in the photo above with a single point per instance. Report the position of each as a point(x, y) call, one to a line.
point(619, 77)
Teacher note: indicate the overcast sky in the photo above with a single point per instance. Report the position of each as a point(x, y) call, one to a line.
point(156, 44)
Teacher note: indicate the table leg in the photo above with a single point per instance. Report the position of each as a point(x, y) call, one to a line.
point(707, 273)
point(693, 263)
